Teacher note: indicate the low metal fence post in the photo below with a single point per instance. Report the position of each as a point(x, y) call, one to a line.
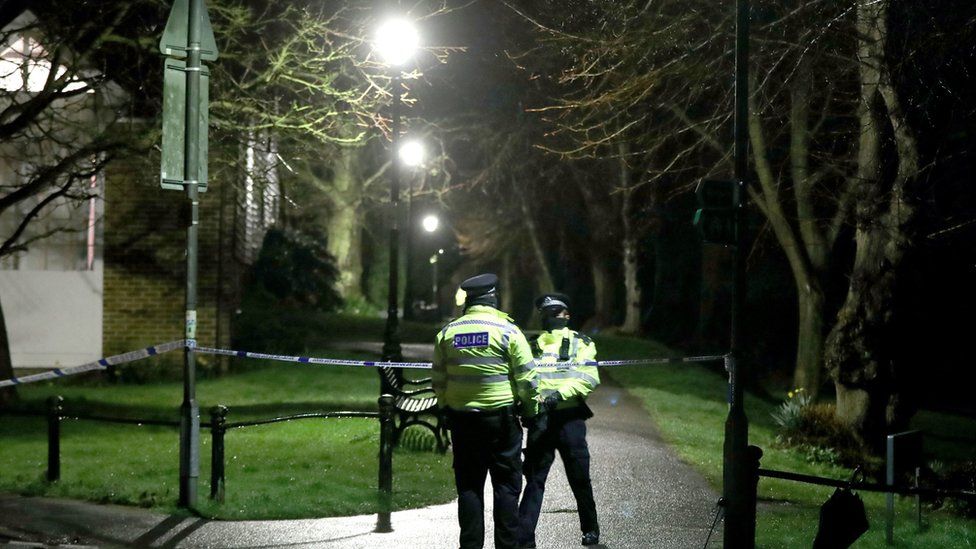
point(386, 463)
point(754, 454)
point(218, 427)
point(54, 409)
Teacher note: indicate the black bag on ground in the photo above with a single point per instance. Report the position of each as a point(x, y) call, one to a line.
point(842, 520)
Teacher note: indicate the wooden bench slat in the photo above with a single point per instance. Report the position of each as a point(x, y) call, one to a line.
point(410, 404)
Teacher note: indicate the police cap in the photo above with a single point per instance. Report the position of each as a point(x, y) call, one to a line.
point(554, 301)
point(480, 285)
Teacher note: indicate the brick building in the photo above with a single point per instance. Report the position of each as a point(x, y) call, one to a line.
point(109, 276)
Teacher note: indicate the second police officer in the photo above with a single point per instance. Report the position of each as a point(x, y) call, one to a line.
point(484, 377)
point(564, 389)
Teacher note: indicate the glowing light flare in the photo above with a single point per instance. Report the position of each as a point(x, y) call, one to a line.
point(430, 223)
point(412, 153)
point(396, 41)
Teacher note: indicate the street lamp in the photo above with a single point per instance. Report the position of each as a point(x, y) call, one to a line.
point(396, 41)
point(435, 299)
point(430, 223)
point(412, 155)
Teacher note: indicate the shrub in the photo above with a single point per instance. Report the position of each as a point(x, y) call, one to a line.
point(814, 431)
point(789, 414)
point(297, 270)
point(955, 476)
point(290, 283)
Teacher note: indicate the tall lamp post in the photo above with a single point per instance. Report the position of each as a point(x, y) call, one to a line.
point(412, 155)
point(740, 461)
point(396, 41)
point(430, 224)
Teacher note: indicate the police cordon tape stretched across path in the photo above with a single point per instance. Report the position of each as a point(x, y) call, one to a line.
point(154, 350)
point(646, 495)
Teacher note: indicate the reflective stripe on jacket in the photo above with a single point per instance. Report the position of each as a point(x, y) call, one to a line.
point(482, 361)
point(572, 382)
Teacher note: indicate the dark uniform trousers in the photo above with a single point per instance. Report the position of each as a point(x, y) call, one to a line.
point(567, 433)
point(487, 442)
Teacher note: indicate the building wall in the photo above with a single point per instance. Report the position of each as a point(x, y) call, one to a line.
point(145, 266)
point(54, 318)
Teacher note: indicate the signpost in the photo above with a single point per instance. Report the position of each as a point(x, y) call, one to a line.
point(740, 467)
point(903, 454)
point(174, 126)
point(188, 35)
point(715, 216)
point(721, 219)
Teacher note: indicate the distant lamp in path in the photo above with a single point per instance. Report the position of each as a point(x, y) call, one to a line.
point(431, 223)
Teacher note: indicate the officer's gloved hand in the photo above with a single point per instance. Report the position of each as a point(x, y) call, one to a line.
point(551, 401)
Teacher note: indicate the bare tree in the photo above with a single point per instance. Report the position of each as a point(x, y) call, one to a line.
point(298, 71)
point(501, 196)
point(831, 134)
point(60, 123)
point(891, 178)
point(316, 82)
point(654, 82)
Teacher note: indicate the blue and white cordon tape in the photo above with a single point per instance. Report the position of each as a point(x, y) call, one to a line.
point(132, 356)
point(99, 364)
point(312, 360)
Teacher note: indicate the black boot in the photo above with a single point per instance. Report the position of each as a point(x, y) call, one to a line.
point(591, 538)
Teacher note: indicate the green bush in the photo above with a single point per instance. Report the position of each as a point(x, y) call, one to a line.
point(955, 476)
point(814, 431)
point(290, 285)
point(789, 416)
point(296, 268)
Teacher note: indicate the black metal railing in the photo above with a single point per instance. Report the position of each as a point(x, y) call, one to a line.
point(219, 426)
point(889, 488)
point(903, 490)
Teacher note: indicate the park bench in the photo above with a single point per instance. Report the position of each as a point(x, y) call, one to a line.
point(413, 406)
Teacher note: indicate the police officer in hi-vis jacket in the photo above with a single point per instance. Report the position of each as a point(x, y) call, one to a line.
point(484, 378)
point(564, 389)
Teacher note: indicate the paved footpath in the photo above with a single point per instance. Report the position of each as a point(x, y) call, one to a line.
point(646, 498)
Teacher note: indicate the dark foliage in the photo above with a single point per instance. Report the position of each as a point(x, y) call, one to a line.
point(293, 279)
point(295, 268)
point(818, 434)
point(957, 476)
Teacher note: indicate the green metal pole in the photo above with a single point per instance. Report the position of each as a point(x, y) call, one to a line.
point(740, 517)
point(408, 293)
point(391, 336)
point(190, 410)
point(383, 523)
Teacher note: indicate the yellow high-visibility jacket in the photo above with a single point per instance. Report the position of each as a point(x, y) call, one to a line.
point(482, 361)
point(552, 350)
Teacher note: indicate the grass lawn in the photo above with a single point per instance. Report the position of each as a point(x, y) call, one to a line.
point(316, 468)
point(306, 468)
point(688, 403)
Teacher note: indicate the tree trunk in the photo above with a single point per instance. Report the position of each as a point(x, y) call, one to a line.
point(856, 354)
point(810, 339)
point(632, 288)
point(603, 293)
point(345, 236)
point(803, 243)
point(858, 347)
point(507, 281)
point(546, 280)
point(632, 319)
point(598, 219)
point(7, 394)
